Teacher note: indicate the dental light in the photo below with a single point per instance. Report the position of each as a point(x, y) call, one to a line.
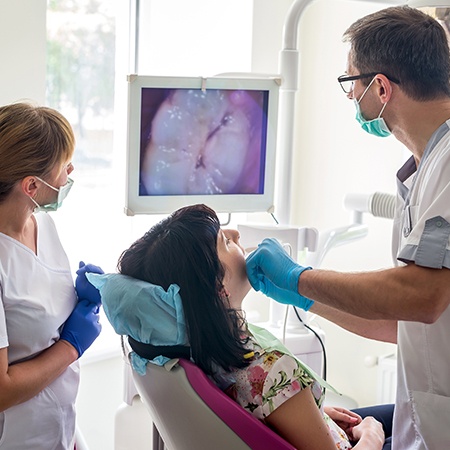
point(429, 3)
point(419, 3)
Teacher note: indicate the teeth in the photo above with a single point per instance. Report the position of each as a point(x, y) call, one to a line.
point(204, 143)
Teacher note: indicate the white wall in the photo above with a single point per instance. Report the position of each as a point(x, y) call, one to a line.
point(22, 50)
point(333, 157)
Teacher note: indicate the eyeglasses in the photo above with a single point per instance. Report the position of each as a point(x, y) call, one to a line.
point(347, 82)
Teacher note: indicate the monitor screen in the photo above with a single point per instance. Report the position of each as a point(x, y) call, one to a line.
point(196, 140)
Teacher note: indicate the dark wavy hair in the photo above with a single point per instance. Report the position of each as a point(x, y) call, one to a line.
point(182, 250)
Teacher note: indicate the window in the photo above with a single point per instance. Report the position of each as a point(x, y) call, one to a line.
point(89, 49)
point(81, 40)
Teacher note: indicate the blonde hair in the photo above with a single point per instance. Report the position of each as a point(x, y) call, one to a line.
point(33, 140)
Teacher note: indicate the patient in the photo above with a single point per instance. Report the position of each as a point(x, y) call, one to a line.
point(200, 277)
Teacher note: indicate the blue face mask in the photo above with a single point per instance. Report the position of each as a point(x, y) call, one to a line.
point(376, 126)
point(62, 194)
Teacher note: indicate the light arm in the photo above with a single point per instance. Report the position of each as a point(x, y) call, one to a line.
point(289, 70)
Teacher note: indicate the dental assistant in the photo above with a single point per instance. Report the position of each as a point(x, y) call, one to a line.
point(45, 324)
point(398, 77)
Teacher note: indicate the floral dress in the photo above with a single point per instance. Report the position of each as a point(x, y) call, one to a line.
point(271, 378)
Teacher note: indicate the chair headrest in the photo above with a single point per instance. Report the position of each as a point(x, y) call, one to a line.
point(149, 351)
point(144, 311)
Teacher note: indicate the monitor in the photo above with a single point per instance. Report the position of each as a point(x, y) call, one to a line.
point(201, 140)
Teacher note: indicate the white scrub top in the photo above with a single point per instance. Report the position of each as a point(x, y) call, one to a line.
point(421, 236)
point(37, 296)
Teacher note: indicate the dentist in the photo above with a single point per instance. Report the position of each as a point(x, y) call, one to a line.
point(44, 327)
point(398, 77)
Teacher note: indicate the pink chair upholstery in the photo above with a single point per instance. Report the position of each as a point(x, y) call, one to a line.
point(190, 412)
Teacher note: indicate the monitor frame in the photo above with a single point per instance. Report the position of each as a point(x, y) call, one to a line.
point(221, 203)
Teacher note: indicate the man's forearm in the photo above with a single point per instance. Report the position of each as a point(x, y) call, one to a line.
point(380, 330)
point(402, 293)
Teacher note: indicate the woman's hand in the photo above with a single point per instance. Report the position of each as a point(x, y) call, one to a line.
point(85, 290)
point(344, 418)
point(82, 327)
point(368, 434)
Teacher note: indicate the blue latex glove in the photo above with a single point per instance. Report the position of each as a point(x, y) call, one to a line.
point(82, 326)
point(273, 272)
point(85, 290)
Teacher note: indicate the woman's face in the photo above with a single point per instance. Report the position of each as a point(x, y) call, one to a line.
point(231, 255)
point(57, 178)
point(60, 174)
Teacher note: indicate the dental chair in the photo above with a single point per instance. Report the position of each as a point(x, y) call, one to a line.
point(190, 412)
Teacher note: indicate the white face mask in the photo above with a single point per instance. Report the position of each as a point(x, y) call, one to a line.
point(62, 194)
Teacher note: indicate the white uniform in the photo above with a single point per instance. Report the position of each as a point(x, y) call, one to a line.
point(421, 235)
point(37, 296)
